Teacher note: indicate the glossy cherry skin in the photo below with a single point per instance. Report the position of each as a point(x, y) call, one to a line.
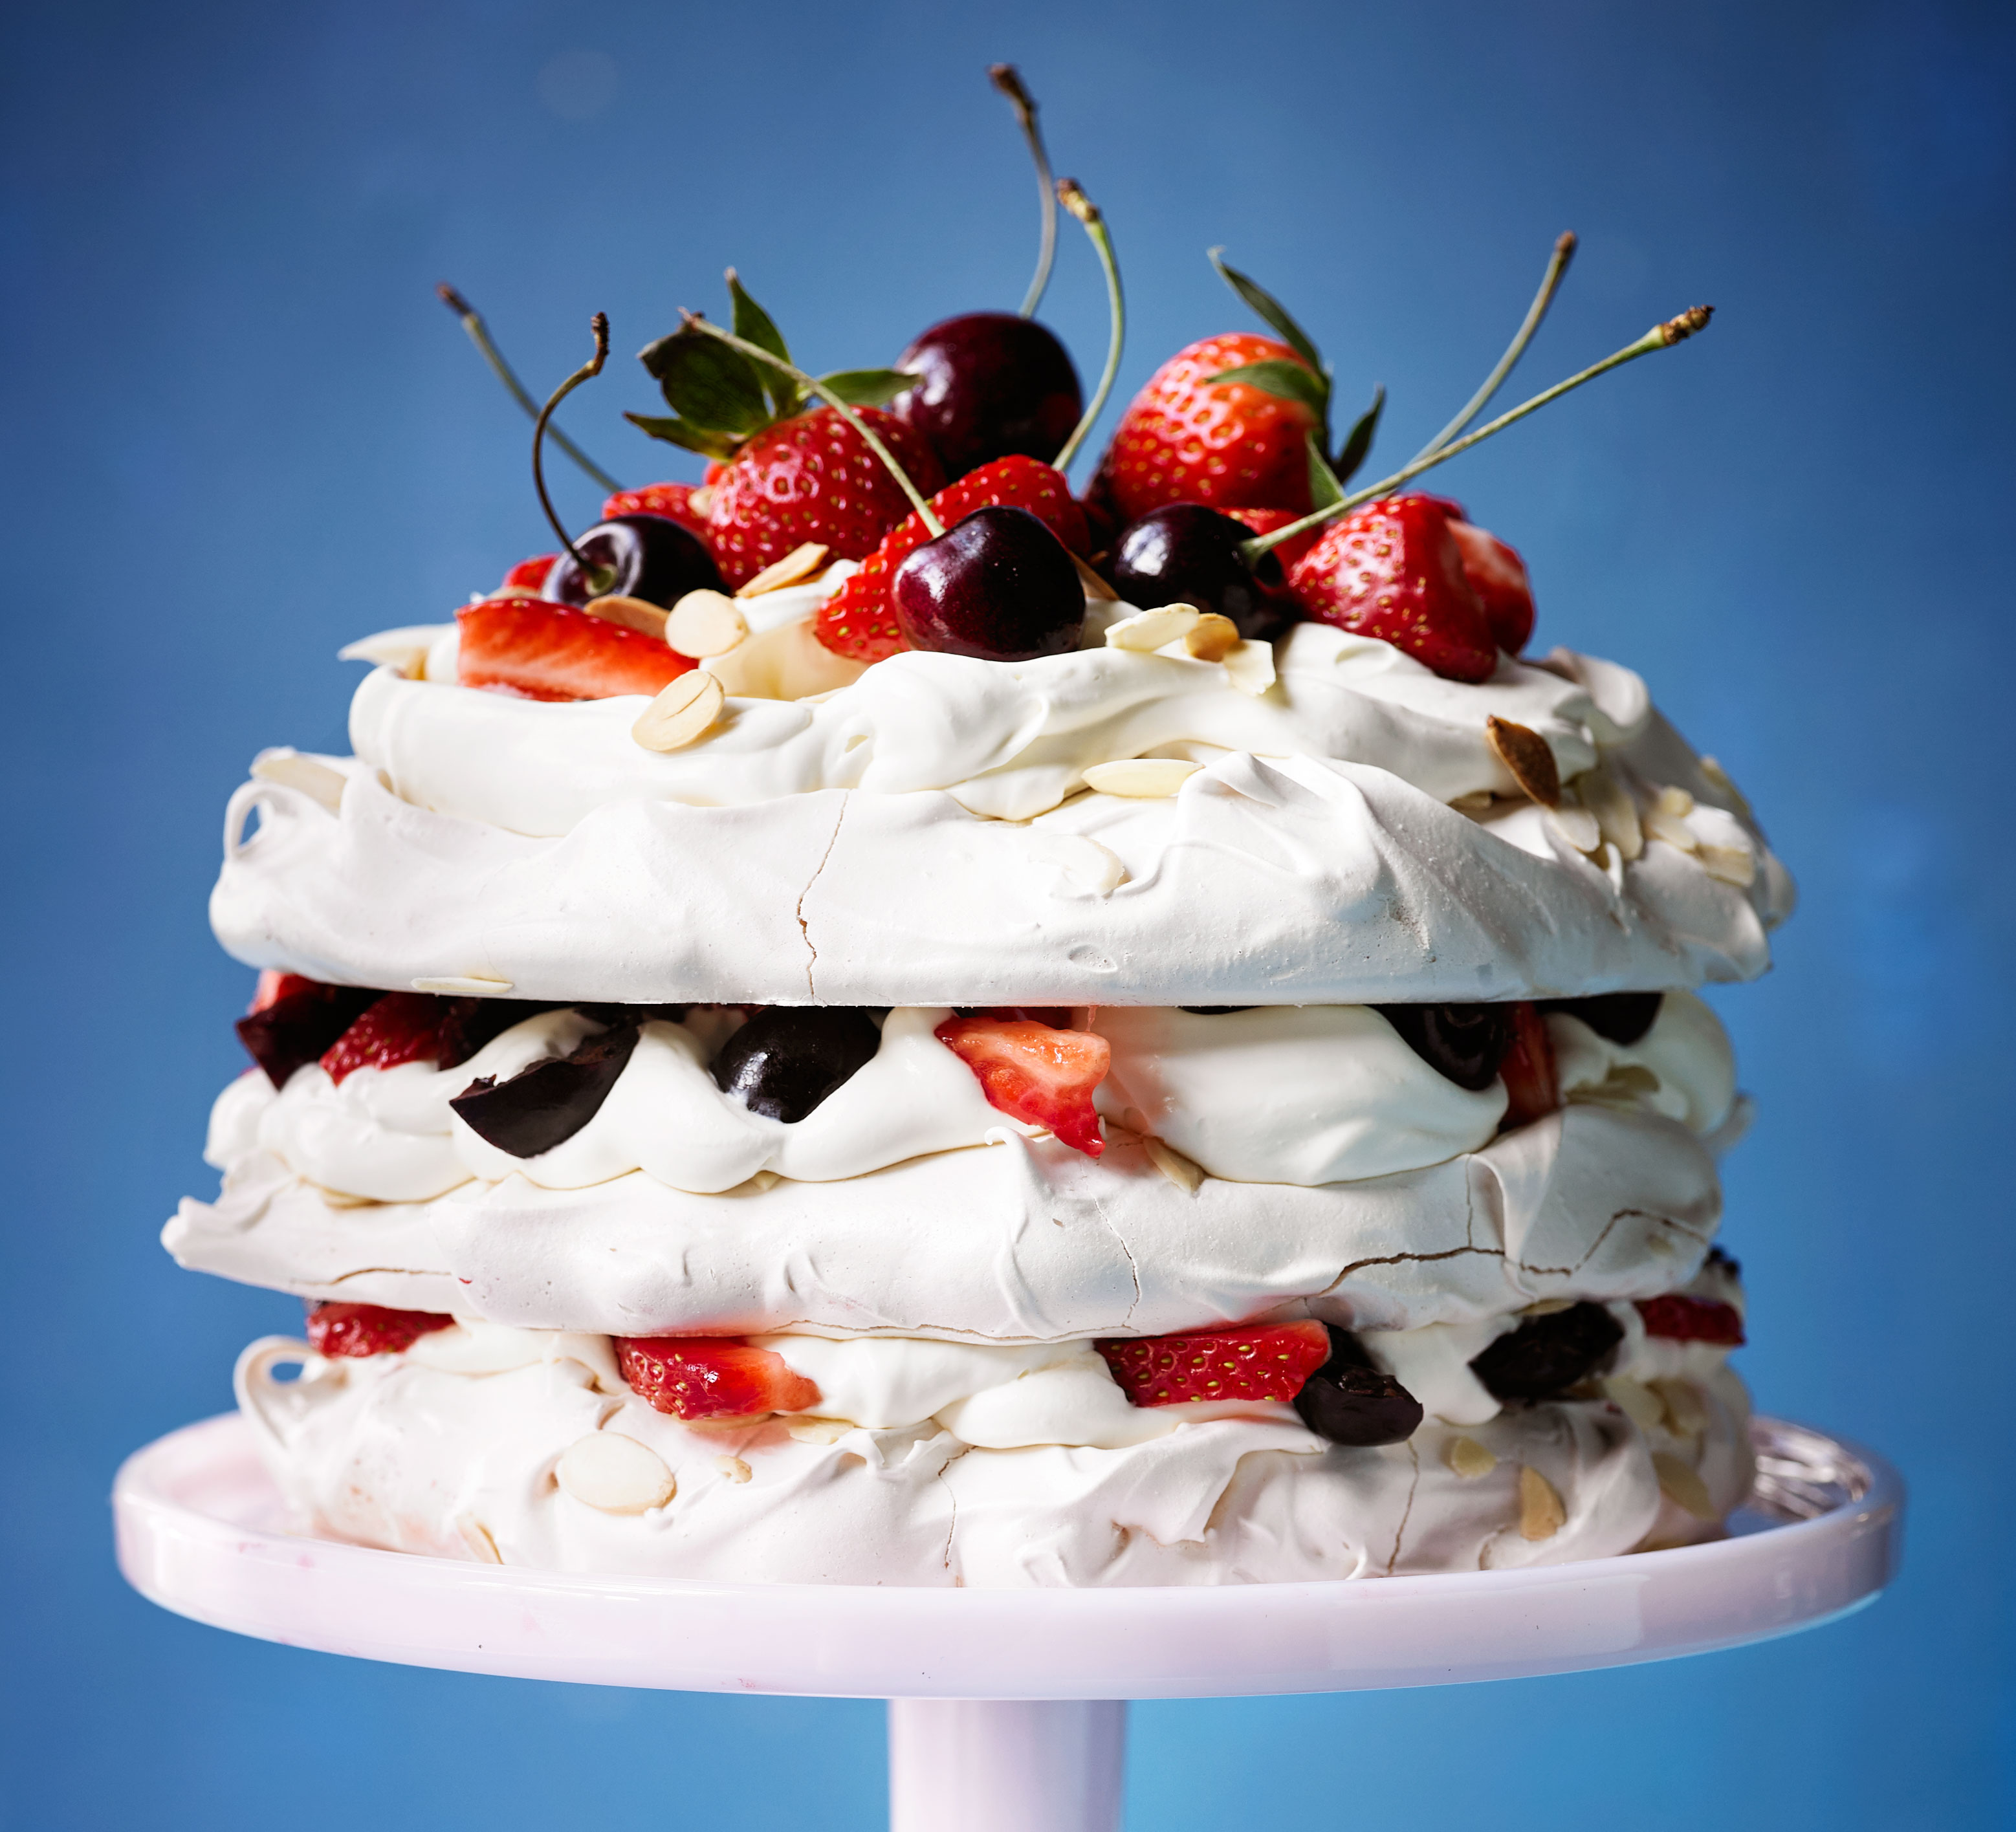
point(545, 1103)
point(998, 586)
point(1185, 553)
point(1546, 1355)
point(789, 1058)
point(1623, 1017)
point(988, 384)
point(1465, 1042)
point(647, 556)
point(1348, 1401)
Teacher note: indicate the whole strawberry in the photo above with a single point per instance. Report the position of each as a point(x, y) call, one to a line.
point(813, 478)
point(1227, 445)
point(1497, 574)
point(1392, 569)
point(859, 620)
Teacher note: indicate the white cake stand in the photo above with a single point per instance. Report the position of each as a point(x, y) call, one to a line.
point(1006, 1710)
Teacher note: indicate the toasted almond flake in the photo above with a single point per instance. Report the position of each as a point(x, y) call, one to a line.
point(1477, 801)
point(1637, 1401)
point(1186, 1175)
point(1096, 588)
point(1616, 813)
point(800, 564)
point(701, 500)
point(1686, 1413)
point(1468, 1458)
point(1142, 779)
point(464, 986)
point(1212, 637)
point(733, 1469)
point(1661, 823)
point(1718, 779)
point(1548, 1307)
point(686, 706)
point(406, 650)
point(809, 1429)
point(1525, 753)
point(476, 1537)
point(1541, 1513)
point(632, 613)
point(1577, 825)
point(703, 624)
point(615, 1473)
point(1147, 630)
point(304, 775)
point(1683, 1485)
point(1733, 865)
point(1675, 801)
point(1250, 667)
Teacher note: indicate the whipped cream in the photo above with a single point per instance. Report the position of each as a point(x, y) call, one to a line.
point(1683, 1067)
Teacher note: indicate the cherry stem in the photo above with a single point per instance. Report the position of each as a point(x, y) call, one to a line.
point(1674, 330)
point(479, 335)
point(1073, 198)
point(598, 577)
point(1557, 268)
point(1008, 80)
point(756, 353)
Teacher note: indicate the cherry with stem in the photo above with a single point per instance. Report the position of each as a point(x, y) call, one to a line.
point(588, 372)
point(1071, 194)
point(1008, 80)
point(479, 335)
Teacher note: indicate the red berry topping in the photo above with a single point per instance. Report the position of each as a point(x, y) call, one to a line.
point(711, 1377)
point(1265, 1363)
point(294, 1019)
point(1531, 1082)
point(540, 650)
point(1037, 1073)
point(1681, 1319)
point(1265, 521)
point(1393, 569)
point(1229, 446)
point(859, 620)
point(401, 1027)
point(673, 501)
point(369, 1329)
point(1497, 575)
point(813, 478)
point(527, 579)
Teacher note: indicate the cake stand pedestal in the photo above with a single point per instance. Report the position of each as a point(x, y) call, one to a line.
point(1006, 1710)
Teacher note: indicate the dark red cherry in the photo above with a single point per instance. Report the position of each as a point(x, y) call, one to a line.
point(1465, 1042)
point(302, 1021)
point(1623, 1017)
point(1186, 554)
point(545, 1104)
point(988, 384)
point(647, 556)
point(1348, 1401)
point(998, 586)
point(788, 1059)
point(1547, 1353)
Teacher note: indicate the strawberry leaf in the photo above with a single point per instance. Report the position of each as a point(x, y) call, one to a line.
point(1324, 486)
point(1287, 381)
point(686, 435)
point(752, 325)
point(705, 382)
point(1358, 442)
point(869, 387)
point(1271, 309)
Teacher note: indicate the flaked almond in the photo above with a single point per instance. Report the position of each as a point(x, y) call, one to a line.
point(1475, 802)
point(1661, 823)
point(1686, 1412)
point(1675, 801)
point(632, 613)
point(686, 706)
point(1187, 1175)
point(1147, 630)
point(1096, 588)
point(1577, 825)
point(482, 1545)
point(1142, 779)
point(406, 650)
point(615, 1473)
point(1719, 780)
point(1525, 753)
point(1250, 667)
point(705, 623)
point(701, 500)
point(809, 1429)
point(1468, 1458)
point(1637, 1401)
point(1212, 637)
point(463, 985)
point(1541, 1513)
point(733, 1469)
point(1616, 813)
point(304, 774)
point(1733, 865)
point(1683, 1485)
point(800, 564)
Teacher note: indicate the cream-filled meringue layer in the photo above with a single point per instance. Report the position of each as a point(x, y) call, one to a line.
point(553, 1466)
point(1023, 1240)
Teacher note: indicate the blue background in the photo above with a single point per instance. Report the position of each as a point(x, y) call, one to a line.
point(239, 430)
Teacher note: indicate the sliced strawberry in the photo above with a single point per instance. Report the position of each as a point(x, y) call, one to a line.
point(1497, 575)
point(1270, 1362)
point(1187, 438)
point(675, 501)
point(1681, 1319)
point(1265, 521)
point(527, 579)
point(1039, 1073)
point(1531, 1082)
point(545, 651)
point(369, 1329)
point(294, 1019)
point(711, 1377)
point(401, 1027)
point(1392, 569)
point(859, 622)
